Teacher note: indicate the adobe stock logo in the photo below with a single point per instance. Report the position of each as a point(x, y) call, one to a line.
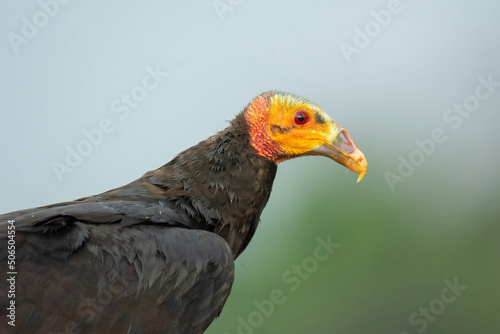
point(293, 277)
point(430, 312)
point(454, 117)
point(31, 27)
point(363, 37)
point(121, 107)
point(223, 6)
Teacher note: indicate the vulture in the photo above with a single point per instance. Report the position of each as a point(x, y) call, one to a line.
point(157, 255)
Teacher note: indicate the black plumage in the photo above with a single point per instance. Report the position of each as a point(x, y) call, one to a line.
point(157, 255)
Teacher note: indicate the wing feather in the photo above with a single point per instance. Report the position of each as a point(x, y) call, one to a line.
point(80, 267)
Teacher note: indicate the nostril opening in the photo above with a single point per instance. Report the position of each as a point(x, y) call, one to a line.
point(344, 137)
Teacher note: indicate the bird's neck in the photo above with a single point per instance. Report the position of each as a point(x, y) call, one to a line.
point(222, 183)
point(256, 115)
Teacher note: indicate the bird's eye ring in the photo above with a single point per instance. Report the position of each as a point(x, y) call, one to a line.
point(300, 117)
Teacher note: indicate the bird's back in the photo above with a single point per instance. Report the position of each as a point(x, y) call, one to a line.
point(85, 266)
point(156, 255)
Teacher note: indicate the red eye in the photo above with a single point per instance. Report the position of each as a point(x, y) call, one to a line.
point(300, 117)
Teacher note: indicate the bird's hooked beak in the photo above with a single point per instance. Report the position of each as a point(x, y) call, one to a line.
point(343, 150)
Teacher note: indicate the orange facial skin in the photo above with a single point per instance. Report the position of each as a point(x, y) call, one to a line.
point(284, 126)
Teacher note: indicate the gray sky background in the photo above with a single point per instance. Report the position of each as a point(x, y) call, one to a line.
point(64, 79)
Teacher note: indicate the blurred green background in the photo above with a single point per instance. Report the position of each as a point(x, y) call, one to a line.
point(390, 80)
point(396, 252)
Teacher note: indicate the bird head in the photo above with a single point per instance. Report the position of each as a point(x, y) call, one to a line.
point(285, 126)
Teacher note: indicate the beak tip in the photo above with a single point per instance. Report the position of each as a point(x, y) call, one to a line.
point(361, 164)
point(361, 176)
